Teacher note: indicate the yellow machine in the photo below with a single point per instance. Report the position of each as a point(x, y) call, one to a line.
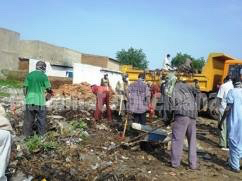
point(217, 67)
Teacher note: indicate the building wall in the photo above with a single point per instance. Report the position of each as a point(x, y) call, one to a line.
point(112, 65)
point(82, 72)
point(12, 48)
point(95, 60)
point(9, 43)
point(51, 70)
point(48, 52)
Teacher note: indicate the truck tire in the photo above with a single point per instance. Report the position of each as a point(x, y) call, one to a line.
point(212, 109)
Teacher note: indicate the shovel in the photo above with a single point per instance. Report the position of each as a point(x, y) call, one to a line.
point(122, 137)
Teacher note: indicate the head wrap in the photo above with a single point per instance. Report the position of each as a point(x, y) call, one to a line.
point(170, 84)
point(40, 65)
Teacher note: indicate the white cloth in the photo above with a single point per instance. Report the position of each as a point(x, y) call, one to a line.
point(2, 110)
point(222, 93)
point(4, 122)
point(5, 149)
point(165, 62)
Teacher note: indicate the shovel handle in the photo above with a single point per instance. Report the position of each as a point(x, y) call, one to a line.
point(125, 127)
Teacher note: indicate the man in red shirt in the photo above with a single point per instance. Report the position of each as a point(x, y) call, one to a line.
point(102, 97)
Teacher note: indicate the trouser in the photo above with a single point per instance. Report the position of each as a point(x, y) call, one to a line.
point(5, 149)
point(154, 101)
point(140, 118)
point(223, 139)
point(32, 113)
point(235, 154)
point(183, 126)
point(102, 99)
point(122, 104)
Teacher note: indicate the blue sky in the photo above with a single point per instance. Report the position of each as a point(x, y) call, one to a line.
point(103, 27)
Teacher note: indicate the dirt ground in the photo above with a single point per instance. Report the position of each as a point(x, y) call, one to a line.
point(99, 157)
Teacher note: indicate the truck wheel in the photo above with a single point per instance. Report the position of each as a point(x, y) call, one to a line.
point(212, 109)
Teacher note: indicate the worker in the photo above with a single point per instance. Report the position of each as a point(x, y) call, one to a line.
point(102, 97)
point(185, 114)
point(105, 81)
point(36, 85)
point(5, 143)
point(196, 84)
point(187, 66)
point(199, 96)
point(121, 89)
point(234, 122)
point(155, 95)
point(166, 90)
point(167, 62)
point(221, 105)
point(138, 99)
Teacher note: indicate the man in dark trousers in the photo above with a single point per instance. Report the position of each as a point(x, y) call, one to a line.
point(185, 114)
point(36, 85)
point(138, 99)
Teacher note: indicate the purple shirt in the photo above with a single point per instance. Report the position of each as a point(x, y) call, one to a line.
point(138, 97)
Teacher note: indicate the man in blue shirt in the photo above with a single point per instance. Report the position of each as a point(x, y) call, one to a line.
point(234, 124)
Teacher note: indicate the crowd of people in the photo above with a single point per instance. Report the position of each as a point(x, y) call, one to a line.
point(179, 105)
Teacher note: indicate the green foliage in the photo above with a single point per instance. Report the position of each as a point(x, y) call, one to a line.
point(79, 124)
point(180, 59)
point(198, 64)
point(37, 143)
point(79, 127)
point(134, 57)
point(3, 94)
point(48, 146)
point(33, 143)
point(11, 83)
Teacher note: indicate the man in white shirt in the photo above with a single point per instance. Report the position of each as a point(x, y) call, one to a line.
point(221, 105)
point(5, 143)
point(167, 62)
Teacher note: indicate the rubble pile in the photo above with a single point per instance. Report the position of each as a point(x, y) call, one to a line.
point(80, 91)
point(73, 150)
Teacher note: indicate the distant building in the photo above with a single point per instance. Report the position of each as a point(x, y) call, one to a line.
point(9, 49)
point(100, 61)
point(15, 54)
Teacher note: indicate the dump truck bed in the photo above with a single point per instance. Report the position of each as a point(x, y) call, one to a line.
point(214, 71)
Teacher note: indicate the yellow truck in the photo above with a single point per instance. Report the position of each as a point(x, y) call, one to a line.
point(217, 67)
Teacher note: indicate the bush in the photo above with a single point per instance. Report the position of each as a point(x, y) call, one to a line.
point(37, 143)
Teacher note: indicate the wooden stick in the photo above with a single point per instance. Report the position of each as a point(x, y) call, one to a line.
point(125, 127)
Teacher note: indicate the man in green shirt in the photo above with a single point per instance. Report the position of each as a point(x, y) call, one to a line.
point(36, 85)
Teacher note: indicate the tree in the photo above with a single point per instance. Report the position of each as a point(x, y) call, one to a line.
point(180, 59)
point(198, 64)
point(134, 57)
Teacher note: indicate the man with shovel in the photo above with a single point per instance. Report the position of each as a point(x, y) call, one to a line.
point(36, 85)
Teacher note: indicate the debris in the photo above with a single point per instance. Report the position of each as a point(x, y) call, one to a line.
point(74, 151)
point(102, 127)
point(207, 157)
point(80, 91)
point(172, 173)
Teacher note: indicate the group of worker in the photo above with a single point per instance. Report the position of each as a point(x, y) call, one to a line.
point(137, 98)
point(133, 98)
